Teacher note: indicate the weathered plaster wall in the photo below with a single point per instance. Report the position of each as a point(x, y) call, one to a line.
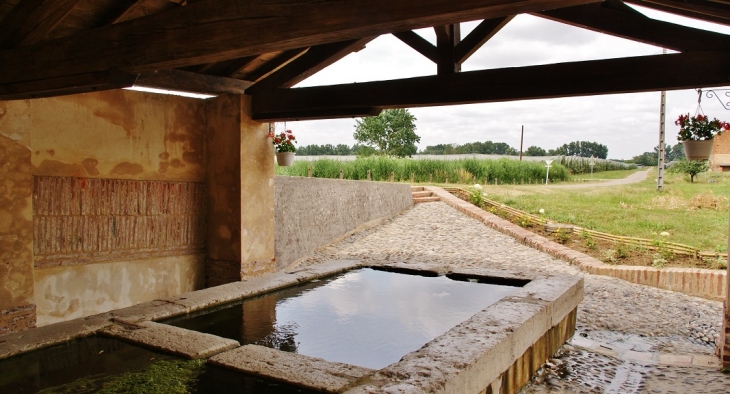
point(312, 212)
point(117, 193)
point(65, 293)
point(119, 134)
point(257, 195)
point(240, 189)
point(17, 310)
point(223, 188)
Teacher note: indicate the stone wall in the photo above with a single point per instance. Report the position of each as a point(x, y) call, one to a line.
point(312, 212)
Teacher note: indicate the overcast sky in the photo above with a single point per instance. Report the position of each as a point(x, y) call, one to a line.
point(627, 123)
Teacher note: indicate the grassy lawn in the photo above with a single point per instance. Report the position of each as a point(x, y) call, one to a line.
point(694, 214)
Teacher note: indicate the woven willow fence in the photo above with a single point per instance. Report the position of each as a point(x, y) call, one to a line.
point(649, 244)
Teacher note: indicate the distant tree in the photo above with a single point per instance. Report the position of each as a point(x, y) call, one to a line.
point(647, 159)
point(675, 152)
point(691, 168)
point(535, 151)
point(391, 133)
point(363, 150)
point(581, 148)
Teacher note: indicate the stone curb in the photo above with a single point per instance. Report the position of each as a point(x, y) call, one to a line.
point(709, 284)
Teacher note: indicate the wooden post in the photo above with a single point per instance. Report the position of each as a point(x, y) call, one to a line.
point(392, 176)
point(342, 174)
point(430, 178)
point(514, 181)
point(368, 174)
point(486, 181)
point(447, 179)
point(309, 172)
point(495, 182)
point(413, 177)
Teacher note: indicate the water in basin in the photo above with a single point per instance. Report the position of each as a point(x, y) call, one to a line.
point(365, 317)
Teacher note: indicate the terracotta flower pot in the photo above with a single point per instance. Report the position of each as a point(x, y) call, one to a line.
point(698, 150)
point(285, 159)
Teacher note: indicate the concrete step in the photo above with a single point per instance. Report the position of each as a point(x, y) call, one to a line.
point(426, 199)
point(416, 188)
point(420, 194)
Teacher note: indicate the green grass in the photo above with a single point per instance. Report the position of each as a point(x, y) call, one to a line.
point(636, 210)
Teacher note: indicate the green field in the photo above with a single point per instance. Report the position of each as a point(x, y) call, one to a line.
point(694, 214)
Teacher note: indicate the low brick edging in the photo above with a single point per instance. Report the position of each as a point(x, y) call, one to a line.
point(709, 284)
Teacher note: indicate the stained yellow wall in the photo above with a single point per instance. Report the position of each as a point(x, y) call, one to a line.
point(65, 293)
point(119, 134)
point(16, 222)
point(140, 137)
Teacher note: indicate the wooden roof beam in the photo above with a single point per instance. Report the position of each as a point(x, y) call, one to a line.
point(610, 76)
point(308, 64)
point(210, 31)
point(420, 44)
point(712, 11)
point(67, 85)
point(479, 36)
point(184, 81)
point(634, 26)
point(31, 20)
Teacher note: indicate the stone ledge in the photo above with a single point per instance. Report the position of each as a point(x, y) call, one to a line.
point(292, 368)
point(171, 339)
point(709, 284)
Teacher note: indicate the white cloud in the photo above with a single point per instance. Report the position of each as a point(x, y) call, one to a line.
point(627, 123)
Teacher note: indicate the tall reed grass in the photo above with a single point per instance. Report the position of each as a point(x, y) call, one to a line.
point(464, 171)
point(582, 165)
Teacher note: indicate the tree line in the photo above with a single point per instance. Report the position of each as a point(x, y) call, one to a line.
point(651, 159)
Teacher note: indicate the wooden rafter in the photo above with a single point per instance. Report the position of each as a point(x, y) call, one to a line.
point(272, 65)
point(624, 75)
point(420, 44)
point(212, 31)
point(479, 36)
point(191, 82)
point(31, 20)
point(316, 59)
point(635, 26)
point(125, 10)
point(226, 68)
point(711, 11)
point(83, 83)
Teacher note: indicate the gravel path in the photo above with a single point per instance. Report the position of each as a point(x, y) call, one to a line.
point(630, 338)
point(633, 178)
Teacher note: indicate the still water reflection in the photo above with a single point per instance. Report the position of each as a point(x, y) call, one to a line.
point(366, 317)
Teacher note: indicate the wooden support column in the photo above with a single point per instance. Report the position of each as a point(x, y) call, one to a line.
point(240, 190)
point(447, 37)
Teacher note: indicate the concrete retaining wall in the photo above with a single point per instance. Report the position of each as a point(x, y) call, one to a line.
point(312, 212)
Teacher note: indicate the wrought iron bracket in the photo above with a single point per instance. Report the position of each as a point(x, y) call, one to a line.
point(710, 93)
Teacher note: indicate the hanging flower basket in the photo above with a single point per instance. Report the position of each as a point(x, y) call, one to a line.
point(698, 150)
point(697, 133)
point(285, 159)
point(284, 146)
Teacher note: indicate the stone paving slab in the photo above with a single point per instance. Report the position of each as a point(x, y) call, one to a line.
point(171, 339)
point(292, 368)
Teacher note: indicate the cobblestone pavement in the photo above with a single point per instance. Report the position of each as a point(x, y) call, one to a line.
point(629, 338)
